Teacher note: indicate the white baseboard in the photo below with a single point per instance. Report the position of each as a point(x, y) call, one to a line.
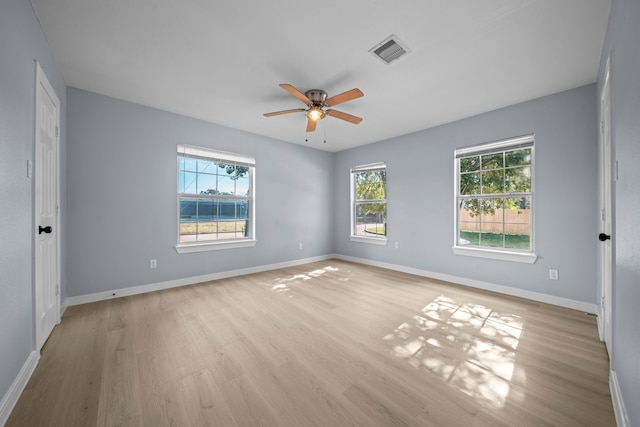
point(135, 290)
point(11, 397)
point(622, 419)
point(600, 323)
point(534, 296)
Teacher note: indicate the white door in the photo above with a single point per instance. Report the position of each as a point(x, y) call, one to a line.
point(46, 288)
point(606, 212)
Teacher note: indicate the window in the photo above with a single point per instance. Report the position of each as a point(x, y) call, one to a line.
point(494, 200)
point(369, 203)
point(215, 199)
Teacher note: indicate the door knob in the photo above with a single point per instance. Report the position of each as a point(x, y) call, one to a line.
point(603, 237)
point(46, 229)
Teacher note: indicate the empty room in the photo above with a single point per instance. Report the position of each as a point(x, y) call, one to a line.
point(344, 213)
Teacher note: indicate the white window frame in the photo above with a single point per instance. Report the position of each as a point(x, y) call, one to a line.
point(218, 156)
point(374, 240)
point(507, 254)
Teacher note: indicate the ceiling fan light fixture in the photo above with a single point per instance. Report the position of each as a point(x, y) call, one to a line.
point(315, 113)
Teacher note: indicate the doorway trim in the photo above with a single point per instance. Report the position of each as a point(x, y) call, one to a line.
point(606, 208)
point(43, 86)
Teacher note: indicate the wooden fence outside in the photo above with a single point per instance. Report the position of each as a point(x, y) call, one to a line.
point(516, 221)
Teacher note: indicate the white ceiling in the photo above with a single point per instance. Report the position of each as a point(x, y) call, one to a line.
point(222, 61)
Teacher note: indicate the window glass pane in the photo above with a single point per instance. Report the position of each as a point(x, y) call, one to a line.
point(180, 163)
point(242, 186)
point(491, 222)
point(187, 209)
point(190, 164)
point(180, 181)
point(242, 209)
point(188, 219)
point(189, 183)
point(493, 181)
point(518, 179)
point(470, 164)
point(207, 210)
point(492, 161)
point(370, 185)
point(518, 236)
point(227, 168)
point(492, 235)
point(518, 157)
point(490, 209)
point(370, 219)
point(206, 166)
point(226, 185)
point(517, 220)
point(517, 203)
point(227, 209)
point(228, 226)
point(206, 183)
point(470, 183)
point(469, 222)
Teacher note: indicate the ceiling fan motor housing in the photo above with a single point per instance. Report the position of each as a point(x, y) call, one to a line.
point(316, 96)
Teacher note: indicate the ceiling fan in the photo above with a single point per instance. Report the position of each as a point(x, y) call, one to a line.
point(317, 102)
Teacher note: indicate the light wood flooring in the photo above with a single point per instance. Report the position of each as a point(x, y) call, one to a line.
point(325, 344)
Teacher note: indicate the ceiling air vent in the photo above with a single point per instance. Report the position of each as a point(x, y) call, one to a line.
point(389, 49)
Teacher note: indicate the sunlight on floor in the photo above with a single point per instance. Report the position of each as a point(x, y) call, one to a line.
point(283, 285)
point(470, 346)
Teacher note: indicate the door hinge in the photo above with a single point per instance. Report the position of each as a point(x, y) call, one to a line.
point(57, 131)
point(601, 126)
point(603, 214)
point(57, 289)
point(58, 210)
point(602, 303)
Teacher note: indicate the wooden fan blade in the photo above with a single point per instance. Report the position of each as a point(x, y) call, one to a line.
point(311, 125)
point(295, 92)
point(344, 97)
point(277, 113)
point(343, 116)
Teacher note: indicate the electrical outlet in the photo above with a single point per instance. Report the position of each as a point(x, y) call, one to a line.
point(153, 263)
point(553, 274)
point(300, 245)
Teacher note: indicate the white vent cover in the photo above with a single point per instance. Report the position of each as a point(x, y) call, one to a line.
point(389, 50)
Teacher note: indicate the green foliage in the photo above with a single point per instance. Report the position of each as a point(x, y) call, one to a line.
point(234, 170)
point(495, 173)
point(371, 186)
point(511, 241)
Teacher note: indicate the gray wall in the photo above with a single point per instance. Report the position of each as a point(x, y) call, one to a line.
point(622, 41)
point(122, 183)
point(420, 179)
point(21, 42)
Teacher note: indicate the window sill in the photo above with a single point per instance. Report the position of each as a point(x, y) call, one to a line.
point(186, 248)
point(527, 257)
point(370, 240)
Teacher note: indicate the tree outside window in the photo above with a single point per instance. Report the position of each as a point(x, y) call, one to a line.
point(494, 195)
point(369, 207)
point(214, 195)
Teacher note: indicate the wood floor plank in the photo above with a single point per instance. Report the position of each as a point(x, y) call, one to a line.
point(330, 343)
